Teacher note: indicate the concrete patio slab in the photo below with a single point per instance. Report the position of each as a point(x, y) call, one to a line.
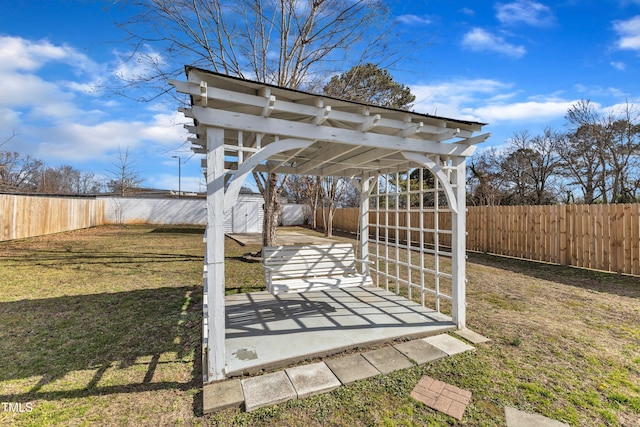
point(472, 336)
point(267, 390)
point(353, 368)
point(442, 397)
point(222, 395)
point(264, 331)
point(387, 359)
point(420, 351)
point(448, 344)
point(517, 418)
point(312, 379)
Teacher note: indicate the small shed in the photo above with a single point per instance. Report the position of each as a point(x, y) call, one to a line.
point(408, 167)
point(246, 215)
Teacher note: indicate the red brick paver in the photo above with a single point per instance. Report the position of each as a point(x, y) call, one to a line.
point(442, 397)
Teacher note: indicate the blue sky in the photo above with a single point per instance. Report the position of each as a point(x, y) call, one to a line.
point(517, 65)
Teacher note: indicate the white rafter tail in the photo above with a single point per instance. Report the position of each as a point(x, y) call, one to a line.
point(475, 139)
point(410, 129)
point(197, 141)
point(187, 112)
point(204, 97)
point(323, 116)
point(269, 106)
point(369, 123)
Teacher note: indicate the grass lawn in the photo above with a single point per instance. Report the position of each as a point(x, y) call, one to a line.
point(103, 327)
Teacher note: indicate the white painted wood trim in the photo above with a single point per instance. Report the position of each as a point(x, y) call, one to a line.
point(249, 164)
point(458, 249)
point(293, 129)
point(215, 284)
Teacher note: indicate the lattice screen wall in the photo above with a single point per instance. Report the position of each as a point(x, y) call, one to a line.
point(410, 243)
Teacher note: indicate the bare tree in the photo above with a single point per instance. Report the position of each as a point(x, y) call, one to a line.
point(289, 43)
point(66, 179)
point(601, 151)
point(305, 189)
point(122, 176)
point(486, 179)
point(538, 161)
point(18, 173)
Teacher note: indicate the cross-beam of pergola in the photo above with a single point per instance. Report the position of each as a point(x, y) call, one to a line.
point(244, 126)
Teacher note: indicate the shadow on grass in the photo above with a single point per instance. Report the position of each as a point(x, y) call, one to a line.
point(78, 346)
point(617, 284)
point(194, 229)
point(61, 257)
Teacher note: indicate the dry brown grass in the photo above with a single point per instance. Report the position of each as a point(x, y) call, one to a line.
point(102, 326)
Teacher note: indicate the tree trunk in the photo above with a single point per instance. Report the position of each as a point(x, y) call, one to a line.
point(271, 211)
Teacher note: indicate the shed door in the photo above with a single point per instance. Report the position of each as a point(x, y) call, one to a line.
point(246, 218)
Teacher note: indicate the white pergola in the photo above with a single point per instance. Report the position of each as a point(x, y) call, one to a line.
point(244, 126)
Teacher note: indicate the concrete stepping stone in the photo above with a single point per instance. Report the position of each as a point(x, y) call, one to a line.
point(221, 395)
point(353, 368)
point(471, 336)
point(267, 390)
point(448, 344)
point(517, 418)
point(420, 351)
point(387, 359)
point(312, 379)
point(443, 397)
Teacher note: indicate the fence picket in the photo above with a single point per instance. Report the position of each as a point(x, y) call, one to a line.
point(602, 237)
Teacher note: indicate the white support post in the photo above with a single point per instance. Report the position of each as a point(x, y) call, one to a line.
point(458, 244)
point(365, 192)
point(214, 346)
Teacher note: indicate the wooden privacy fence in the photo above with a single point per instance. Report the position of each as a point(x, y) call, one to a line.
point(600, 237)
point(28, 216)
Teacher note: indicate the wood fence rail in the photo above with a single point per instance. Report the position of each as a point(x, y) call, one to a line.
point(600, 237)
point(28, 216)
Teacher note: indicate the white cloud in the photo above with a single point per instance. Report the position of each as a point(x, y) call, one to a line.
point(629, 33)
point(487, 101)
point(599, 91)
point(17, 53)
point(621, 66)
point(170, 182)
point(479, 40)
point(523, 111)
point(413, 20)
point(524, 11)
point(449, 99)
point(86, 141)
point(468, 11)
point(134, 66)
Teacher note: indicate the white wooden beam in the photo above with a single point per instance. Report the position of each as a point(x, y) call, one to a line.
point(323, 116)
point(369, 123)
point(365, 193)
point(251, 123)
point(358, 160)
point(476, 139)
point(458, 246)
point(215, 284)
point(280, 105)
point(249, 164)
point(326, 154)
